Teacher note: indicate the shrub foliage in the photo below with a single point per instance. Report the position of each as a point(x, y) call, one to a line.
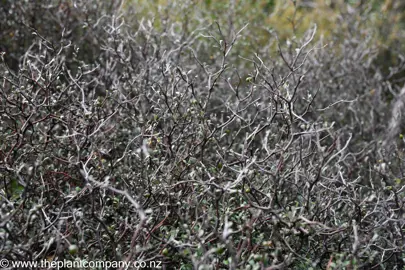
point(134, 138)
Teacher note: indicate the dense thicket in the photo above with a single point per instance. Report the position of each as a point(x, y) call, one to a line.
point(126, 136)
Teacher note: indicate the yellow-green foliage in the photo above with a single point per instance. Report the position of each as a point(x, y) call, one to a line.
point(284, 16)
point(287, 18)
point(384, 20)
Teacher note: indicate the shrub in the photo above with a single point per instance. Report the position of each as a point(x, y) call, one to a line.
point(126, 140)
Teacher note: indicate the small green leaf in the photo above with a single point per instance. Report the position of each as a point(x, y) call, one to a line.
point(73, 249)
point(16, 188)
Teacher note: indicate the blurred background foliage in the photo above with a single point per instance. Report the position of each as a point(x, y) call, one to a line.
point(381, 20)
